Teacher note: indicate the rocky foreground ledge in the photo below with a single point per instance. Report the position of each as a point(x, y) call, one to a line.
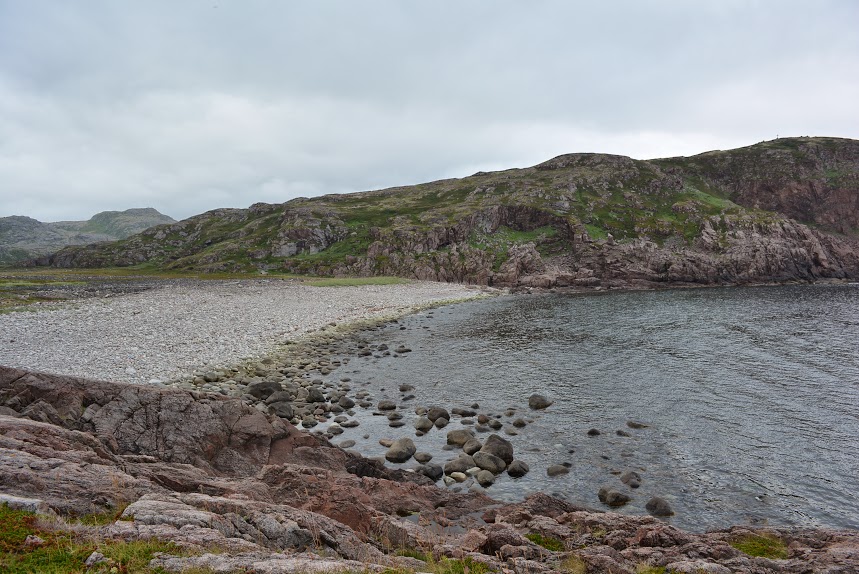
point(251, 493)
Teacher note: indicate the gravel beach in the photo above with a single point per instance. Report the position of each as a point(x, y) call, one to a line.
point(166, 332)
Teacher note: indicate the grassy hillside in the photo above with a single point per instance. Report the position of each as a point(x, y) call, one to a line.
point(452, 229)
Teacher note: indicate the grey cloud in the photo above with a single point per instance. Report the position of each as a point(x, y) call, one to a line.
point(188, 106)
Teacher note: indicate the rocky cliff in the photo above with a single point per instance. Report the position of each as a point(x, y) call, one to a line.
point(23, 238)
point(236, 490)
point(782, 210)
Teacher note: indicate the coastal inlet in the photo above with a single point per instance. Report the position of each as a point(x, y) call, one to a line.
point(747, 397)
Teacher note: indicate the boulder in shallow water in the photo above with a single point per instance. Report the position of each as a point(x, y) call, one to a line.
point(401, 450)
point(631, 478)
point(518, 469)
point(459, 437)
point(538, 402)
point(498, 446)
point(423, 424)
point(658, 506)
point(434, 413)
point(485, 478)
point(489, 462)
point(557, 470)
point(460, 464)
point(472, 446)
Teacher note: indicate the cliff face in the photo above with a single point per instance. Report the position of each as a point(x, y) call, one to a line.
point(22, 238)
point(781, 210)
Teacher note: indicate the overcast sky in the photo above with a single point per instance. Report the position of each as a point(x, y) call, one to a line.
point(186, 106)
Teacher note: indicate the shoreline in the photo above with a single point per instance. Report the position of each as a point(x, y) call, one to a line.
point(174, 327)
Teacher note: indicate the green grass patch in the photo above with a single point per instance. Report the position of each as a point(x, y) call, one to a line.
point(764, 546)
point(647, 569)
point(356, 281)
point(596, 233)
point(466, 566)
point(546, 542)
point(64, 552)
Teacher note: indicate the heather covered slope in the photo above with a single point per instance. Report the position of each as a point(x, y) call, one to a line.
point(775, 211)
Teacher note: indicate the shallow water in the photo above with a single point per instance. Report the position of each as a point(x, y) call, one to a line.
point(751, 395)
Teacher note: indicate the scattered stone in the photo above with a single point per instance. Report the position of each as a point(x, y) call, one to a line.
point(612, 497)
point(441, 422)
point(519, 423)
point(593, 432)
point(432, 471)
point(499, 447)
point(386, 442)
point(636, 425)
point(472, 446)
point(423, 424)
point(459, 464)
point(538, 402)
point(404, 388)
point(622, 433)
point(489, 462)
point(401, 450)
point(422, 457)
point(347, 444)
point(631, 478)
point(658, 506)
point(459, 476)
point(435, 413)
point(386, 405)
point(459, 437)
point(557, 470)
point(517, 469)
point(485, 478)
point(346, 402)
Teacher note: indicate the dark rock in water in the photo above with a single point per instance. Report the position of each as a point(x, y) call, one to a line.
point(423, 457)
point(315, 395)
point(463, 412)
point(262, 389)
point(408, 397)
point(281, 409)
point(441, 422)
point(466, 422)
point(517, 469)
point(472, 446)
point(437, 412)
point(482, 428)
point(401, 450)
point(612, 497)
point(432, 471)
point(537, 402)
point(632, 479)
point(459, 437)
point(396, 424)
point(309, 422)
point(460, 464)
point(386, 405)
point(347, 444)
point(484, 478)
point(495, 424)
point(346, 402)
point(403, 388)
point(636, 425)
point(658, 506)
point(499, 447)
point(423, 424)
point(482, 419)
point(349, 424)
point(335, 430)
point(489, 462)
point(402, 350)
point(386, 442)
point(519, 423)
point(394, 416)
point(593, 432)
point(622, 433)
point(557, 470)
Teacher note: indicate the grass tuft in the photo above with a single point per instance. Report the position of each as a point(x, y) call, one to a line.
point(763, 546)
point(546, 542)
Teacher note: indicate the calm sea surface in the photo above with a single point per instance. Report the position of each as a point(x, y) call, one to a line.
point(751, 395)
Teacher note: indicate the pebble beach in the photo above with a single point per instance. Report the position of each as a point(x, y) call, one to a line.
point(166, 332)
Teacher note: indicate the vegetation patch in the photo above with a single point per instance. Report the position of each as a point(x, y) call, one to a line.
point(64, 551)
point(411, 553)
point(763, 546)
point(573, 564)
point(356, 281)
point(546, 542)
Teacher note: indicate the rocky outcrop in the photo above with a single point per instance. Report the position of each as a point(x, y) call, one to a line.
point(249, 492)
point(786, 210)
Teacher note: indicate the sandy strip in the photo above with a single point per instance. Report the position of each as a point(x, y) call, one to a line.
point(165, 333)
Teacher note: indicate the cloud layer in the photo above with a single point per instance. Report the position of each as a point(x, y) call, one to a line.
point(189, 106)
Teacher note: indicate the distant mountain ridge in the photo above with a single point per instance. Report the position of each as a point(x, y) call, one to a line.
point(781, 210)
point(23, 238)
